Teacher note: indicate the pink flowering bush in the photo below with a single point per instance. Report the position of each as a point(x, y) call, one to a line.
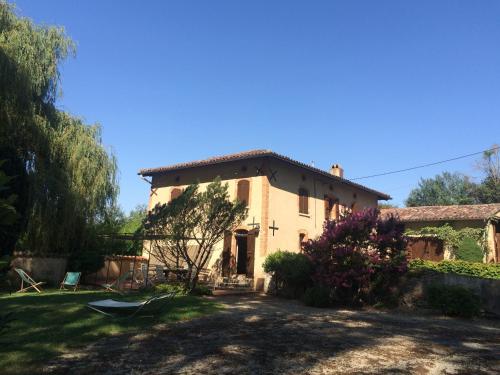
point(359, 258)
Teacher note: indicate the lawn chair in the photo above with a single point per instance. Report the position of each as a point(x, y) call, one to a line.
point(25, 278)
point(159, 276)
point(115, 285)
point(111, 307)
point(71, 279)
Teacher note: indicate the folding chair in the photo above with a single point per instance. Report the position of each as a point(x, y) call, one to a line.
point(71, 279)
point(115, 285)
point(25, 278)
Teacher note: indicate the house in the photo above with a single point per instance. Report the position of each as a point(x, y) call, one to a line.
point(288, 202)
point(485, 216)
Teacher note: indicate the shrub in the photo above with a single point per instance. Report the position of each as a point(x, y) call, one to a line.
point(86, 262)
point(484, 270)
point(290, 270)
point(201, 290)
point(453, 300)
point(359, 257)
point(169, 288)
point(317, 296)
point(469, 250)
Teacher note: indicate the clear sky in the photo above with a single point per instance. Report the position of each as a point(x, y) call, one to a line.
point(372, 85)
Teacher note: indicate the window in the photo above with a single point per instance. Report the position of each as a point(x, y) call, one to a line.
point(302, 239)
point(175, 193)
point(243, 191)
point(331, 208)
point(303, 201)
point(328, 207)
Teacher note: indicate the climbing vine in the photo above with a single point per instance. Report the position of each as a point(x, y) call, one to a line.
point(450, 236)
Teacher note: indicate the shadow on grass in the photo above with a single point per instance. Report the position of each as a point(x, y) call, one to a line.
point(47, 324)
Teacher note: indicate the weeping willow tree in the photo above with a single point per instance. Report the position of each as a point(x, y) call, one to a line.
point(64, 178)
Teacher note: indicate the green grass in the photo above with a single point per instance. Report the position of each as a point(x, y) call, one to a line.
point(50, 323)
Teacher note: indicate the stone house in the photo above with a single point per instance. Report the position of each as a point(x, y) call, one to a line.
point(288, 202)
point(485, 216)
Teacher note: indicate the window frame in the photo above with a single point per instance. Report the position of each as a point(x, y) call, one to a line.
point(303, 194)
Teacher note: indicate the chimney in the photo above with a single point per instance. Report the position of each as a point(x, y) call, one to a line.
point(337, 170)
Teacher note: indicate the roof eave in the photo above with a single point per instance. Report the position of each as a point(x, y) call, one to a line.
point(150, 172)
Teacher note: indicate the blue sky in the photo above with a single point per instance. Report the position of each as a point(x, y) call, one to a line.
point(372, 85)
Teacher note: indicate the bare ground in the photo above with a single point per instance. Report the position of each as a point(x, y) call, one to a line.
point(264, 335)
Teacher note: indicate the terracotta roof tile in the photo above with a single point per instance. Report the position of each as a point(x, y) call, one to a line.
point(252, 154)
point(443, 213)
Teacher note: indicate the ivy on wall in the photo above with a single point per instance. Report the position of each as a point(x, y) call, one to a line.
point(454, 238)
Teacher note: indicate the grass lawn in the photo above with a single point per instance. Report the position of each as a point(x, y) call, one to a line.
point(47, 324)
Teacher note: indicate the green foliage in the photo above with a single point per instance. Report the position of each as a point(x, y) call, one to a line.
point(469, 250)
point(453, 300)
point(489, 189)
point(289, 270)
point(65, 177)
point(187, 229)
point(445, 189)
point(483, 270)
point(452, 237)
point(86, 262)
point(8, 213)
point(171, 287)
point(201, 290)
point(317, 296)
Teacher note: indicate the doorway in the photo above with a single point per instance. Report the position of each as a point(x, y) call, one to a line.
point(241, 251)
point(245, 252)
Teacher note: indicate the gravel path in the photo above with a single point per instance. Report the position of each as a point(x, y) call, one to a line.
point(264, 335)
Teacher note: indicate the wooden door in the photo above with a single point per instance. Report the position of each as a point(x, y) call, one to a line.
point(250, 254)
point(425, 248)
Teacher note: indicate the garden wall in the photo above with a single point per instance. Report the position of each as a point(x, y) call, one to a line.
point(487, 289)
point(114, 267)
point(50, 270)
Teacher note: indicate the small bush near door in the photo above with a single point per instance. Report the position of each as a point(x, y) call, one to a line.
point(453, 300)
point(291, 272)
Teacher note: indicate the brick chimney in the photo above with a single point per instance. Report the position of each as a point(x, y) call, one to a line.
point(337, 170)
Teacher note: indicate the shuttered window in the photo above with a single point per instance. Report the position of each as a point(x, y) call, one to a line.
point(243, 191)
point(175, 193)
point(328, 207)
point(336, 210)
point(303, 201)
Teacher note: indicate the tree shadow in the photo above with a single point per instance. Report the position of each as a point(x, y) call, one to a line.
point(267, 335)
point(48, 323)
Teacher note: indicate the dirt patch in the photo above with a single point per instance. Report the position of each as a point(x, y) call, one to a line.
point(264, 335)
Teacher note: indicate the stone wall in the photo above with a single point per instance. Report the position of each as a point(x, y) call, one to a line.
point(49, 270)
point(487, 289)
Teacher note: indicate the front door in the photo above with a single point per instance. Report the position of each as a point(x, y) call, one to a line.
point(241, 249)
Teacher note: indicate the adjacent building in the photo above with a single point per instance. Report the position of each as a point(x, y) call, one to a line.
point(485, 216)
point(288, 202)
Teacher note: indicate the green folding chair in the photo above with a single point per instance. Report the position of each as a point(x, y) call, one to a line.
point(115, 285)
point(71, 279)
point(26, 279)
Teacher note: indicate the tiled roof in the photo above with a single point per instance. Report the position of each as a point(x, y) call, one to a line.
point(443, 213)
point(253, 154)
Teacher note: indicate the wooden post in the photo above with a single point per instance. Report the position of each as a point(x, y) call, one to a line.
point(133, 273)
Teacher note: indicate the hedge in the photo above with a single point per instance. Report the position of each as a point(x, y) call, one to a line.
point(459, 267)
